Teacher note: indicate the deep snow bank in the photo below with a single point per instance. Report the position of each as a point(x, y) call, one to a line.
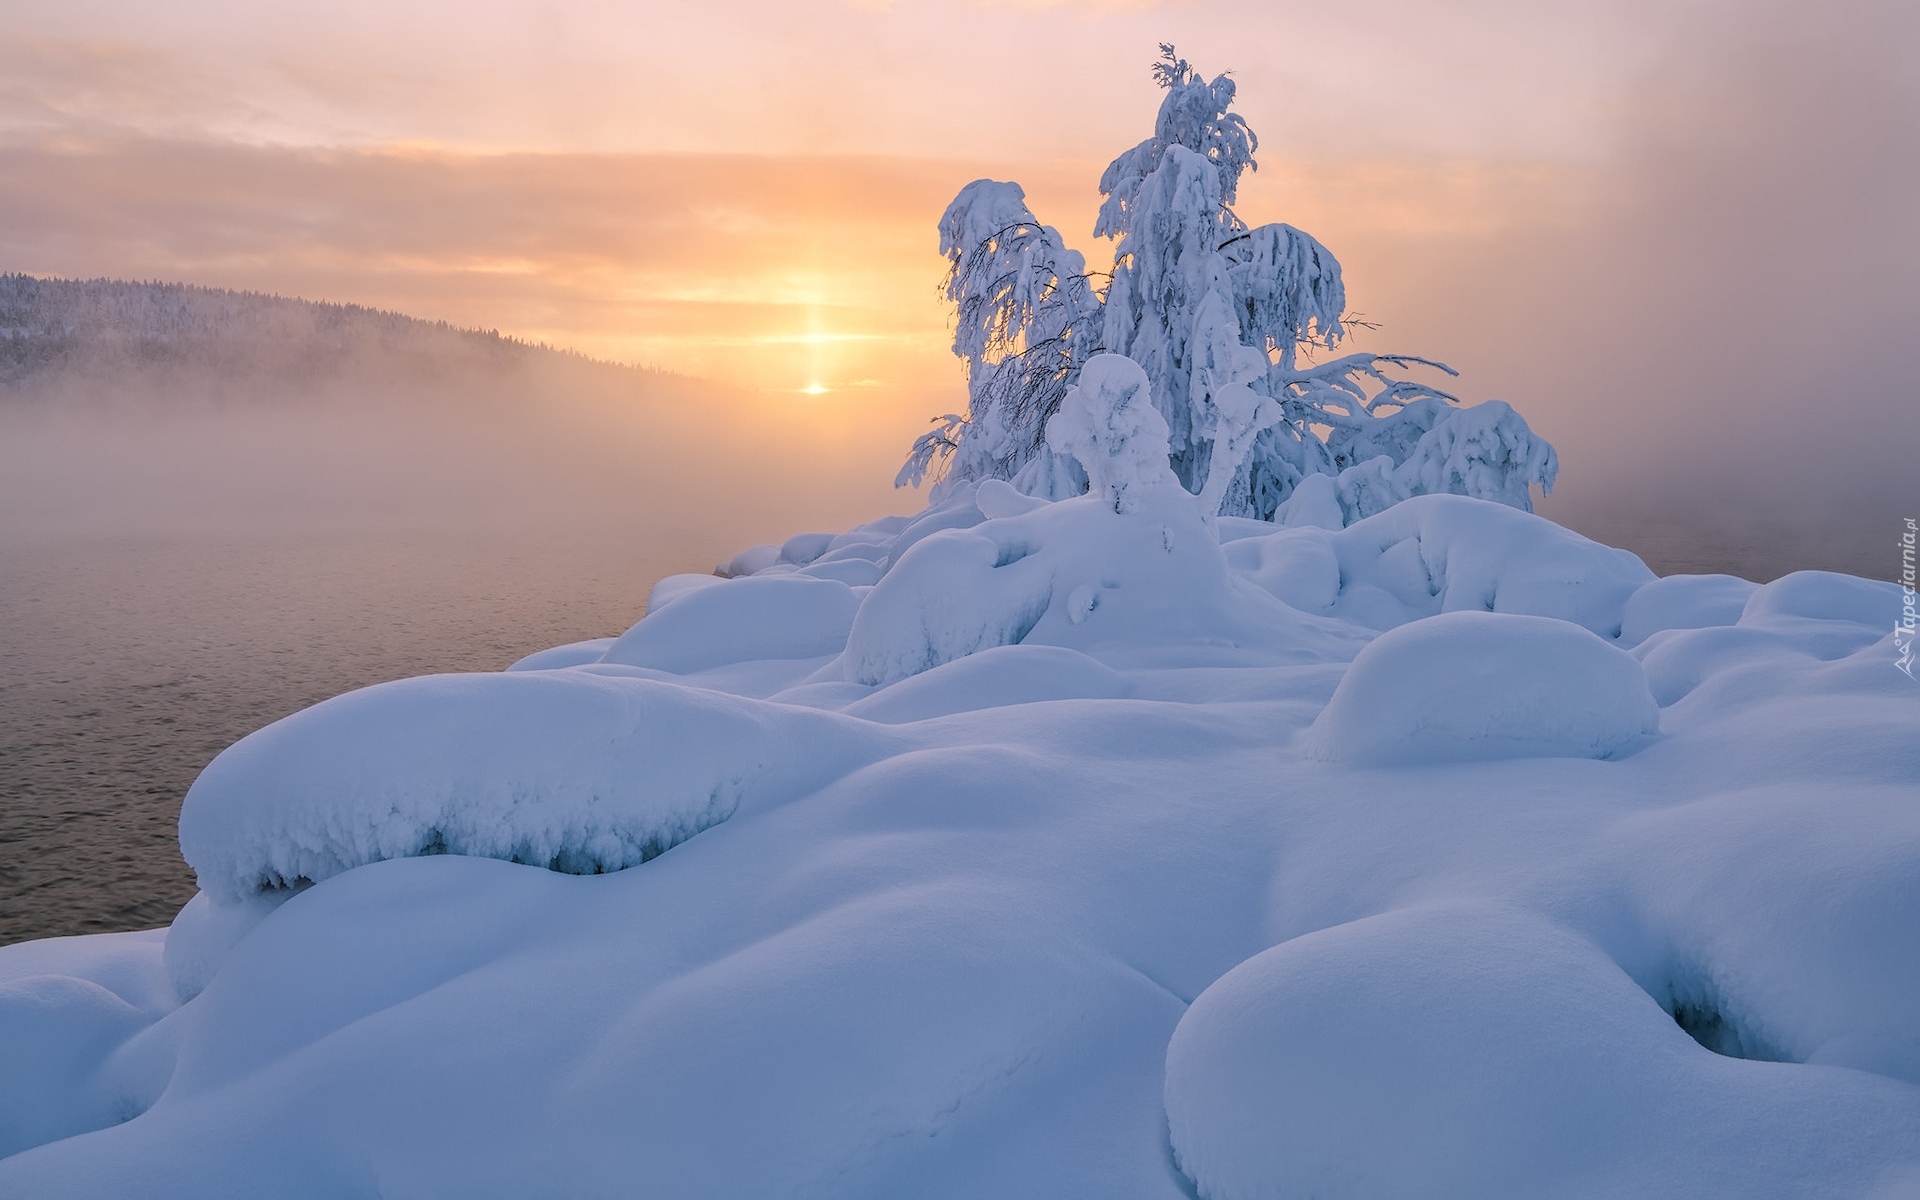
point(1029, 848)
point(572, 770)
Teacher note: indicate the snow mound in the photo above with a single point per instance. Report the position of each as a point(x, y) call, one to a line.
point(1075, 573)
point(1768, 958)
point(803, 548)
point(1435, 554)
point(1108, 422)
point(1683, 602)
point(205, 932)
point(1469, 1051)
point(66, 1004)
point(993, 678)
point(1314, 501)
point(568, 769)
point(1825, 596)
point(573, 654)
point(737, 620)
point(673, 587)
point(57, 1030)
point(1764, 648)
point(1476, 685)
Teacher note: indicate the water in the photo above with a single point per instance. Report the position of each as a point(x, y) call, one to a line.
point(127, 664)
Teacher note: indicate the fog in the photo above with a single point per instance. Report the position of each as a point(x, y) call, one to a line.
point(681, 472)
point(1717, 334)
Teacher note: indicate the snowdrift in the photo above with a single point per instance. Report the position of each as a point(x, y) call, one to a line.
point(1030, 848)
point(1474, 685)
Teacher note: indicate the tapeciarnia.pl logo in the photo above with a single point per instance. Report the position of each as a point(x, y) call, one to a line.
point(1903, 629)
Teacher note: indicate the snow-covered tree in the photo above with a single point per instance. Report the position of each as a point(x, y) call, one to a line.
point(1026, 315)
point(1223, 319)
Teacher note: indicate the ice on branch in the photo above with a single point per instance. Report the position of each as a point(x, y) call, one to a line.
point(1224, 320)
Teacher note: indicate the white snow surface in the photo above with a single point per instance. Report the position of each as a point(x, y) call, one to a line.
point(1081, 852)
point(1109, 424)
point(1484, 685)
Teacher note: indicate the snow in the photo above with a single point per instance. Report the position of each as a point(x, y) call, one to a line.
point(1102, 846)
point(1109, 424)
point(1435, 554)
point(1312, 1069)
point(993, 678)
point(1683, 602)
point(65, 1005)
point(572, 769)
point(1823, 595)
point(1485, 450)
point(775, 616)
point(1483, 685)
point(1076, 573)
point(573, 654)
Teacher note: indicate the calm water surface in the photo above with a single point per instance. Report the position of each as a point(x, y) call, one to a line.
point(126, 665)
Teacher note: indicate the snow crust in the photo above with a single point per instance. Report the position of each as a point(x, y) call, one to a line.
point(1095, 848)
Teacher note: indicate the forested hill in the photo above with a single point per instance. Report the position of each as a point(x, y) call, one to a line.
point(60, 332)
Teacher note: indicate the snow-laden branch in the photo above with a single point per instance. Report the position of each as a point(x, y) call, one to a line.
point(1219, 317)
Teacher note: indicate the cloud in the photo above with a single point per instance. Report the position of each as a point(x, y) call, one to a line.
point(969, 78)
point(1683, 251)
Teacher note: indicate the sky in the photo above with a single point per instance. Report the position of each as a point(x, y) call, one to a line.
point(1677, 236)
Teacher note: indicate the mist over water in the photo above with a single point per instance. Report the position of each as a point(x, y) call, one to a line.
point(184, 560)
point(130, 661)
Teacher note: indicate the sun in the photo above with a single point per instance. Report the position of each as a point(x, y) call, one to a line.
point(815, 389)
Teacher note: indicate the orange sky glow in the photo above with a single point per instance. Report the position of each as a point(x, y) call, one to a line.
point(747, 191)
